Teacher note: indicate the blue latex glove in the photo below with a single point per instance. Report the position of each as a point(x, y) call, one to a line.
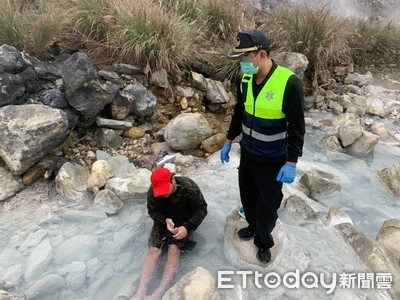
point(225, 153)
point(287, 173)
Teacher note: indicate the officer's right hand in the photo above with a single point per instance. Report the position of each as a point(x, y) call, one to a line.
point(225, 152)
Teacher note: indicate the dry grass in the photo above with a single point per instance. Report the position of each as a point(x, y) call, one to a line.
point(11, 24)
point(93, 18)
point(224, 67)
point(30, 25)
point(171, 33)
point(149, 34)
point(42, 26)
point(373, 40)
point(319, 33)
point(221, 18)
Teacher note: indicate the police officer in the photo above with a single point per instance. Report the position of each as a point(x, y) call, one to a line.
point(270, 115)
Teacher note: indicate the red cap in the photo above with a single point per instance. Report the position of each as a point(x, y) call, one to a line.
point(161, 181)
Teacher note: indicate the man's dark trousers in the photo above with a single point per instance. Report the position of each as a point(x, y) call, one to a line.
point(261, 195)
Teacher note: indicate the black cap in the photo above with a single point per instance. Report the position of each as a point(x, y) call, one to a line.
point(249, 40)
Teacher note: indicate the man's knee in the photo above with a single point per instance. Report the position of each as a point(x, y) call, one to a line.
point(154, 252)
point(173, 249)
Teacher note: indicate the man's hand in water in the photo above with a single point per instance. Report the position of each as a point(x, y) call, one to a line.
point(171, 226)
point(181, 234)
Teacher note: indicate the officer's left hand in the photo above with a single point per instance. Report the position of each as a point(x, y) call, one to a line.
point(182, 233)
point(287, 174)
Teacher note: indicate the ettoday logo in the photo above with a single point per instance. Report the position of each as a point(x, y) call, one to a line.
point(291, 280)
point(308, 280)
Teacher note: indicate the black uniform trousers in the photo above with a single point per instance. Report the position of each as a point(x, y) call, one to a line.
point(261, 195)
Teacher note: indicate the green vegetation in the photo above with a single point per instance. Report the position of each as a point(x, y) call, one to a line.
point(11, 28)
point(373, 40)
point(177, 33)
point(150, 34)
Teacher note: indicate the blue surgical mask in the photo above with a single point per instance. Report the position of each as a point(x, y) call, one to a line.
point(248, 67)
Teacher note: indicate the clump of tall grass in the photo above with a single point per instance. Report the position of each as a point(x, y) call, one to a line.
point(42, 24)
point(216, 16)
point(149, 35)
point(187, 8)
point(11, 24)
point(374, 39)
point(319, 33)
point(29, 26)
point(224, 68)
point(221, 18)
point(94, 18)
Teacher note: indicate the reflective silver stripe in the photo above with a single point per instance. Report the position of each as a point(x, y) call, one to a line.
point(263, 137)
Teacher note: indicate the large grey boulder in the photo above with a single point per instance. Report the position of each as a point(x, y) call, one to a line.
point(143, 101)
point(364, 144)
point(11, 60)
point(242, 254)
point(391, 178)
point(348, 133)
point(389, 236)
point(296, 62)
point(320, 184)
point(71, 182)
point(134, 187)
point(187, 131)
point(28, 133)
point(11, 88)
point(9, 184)
point(198, 284)
point(84, 90)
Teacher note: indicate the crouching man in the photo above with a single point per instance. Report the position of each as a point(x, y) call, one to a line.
point(177, 207)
